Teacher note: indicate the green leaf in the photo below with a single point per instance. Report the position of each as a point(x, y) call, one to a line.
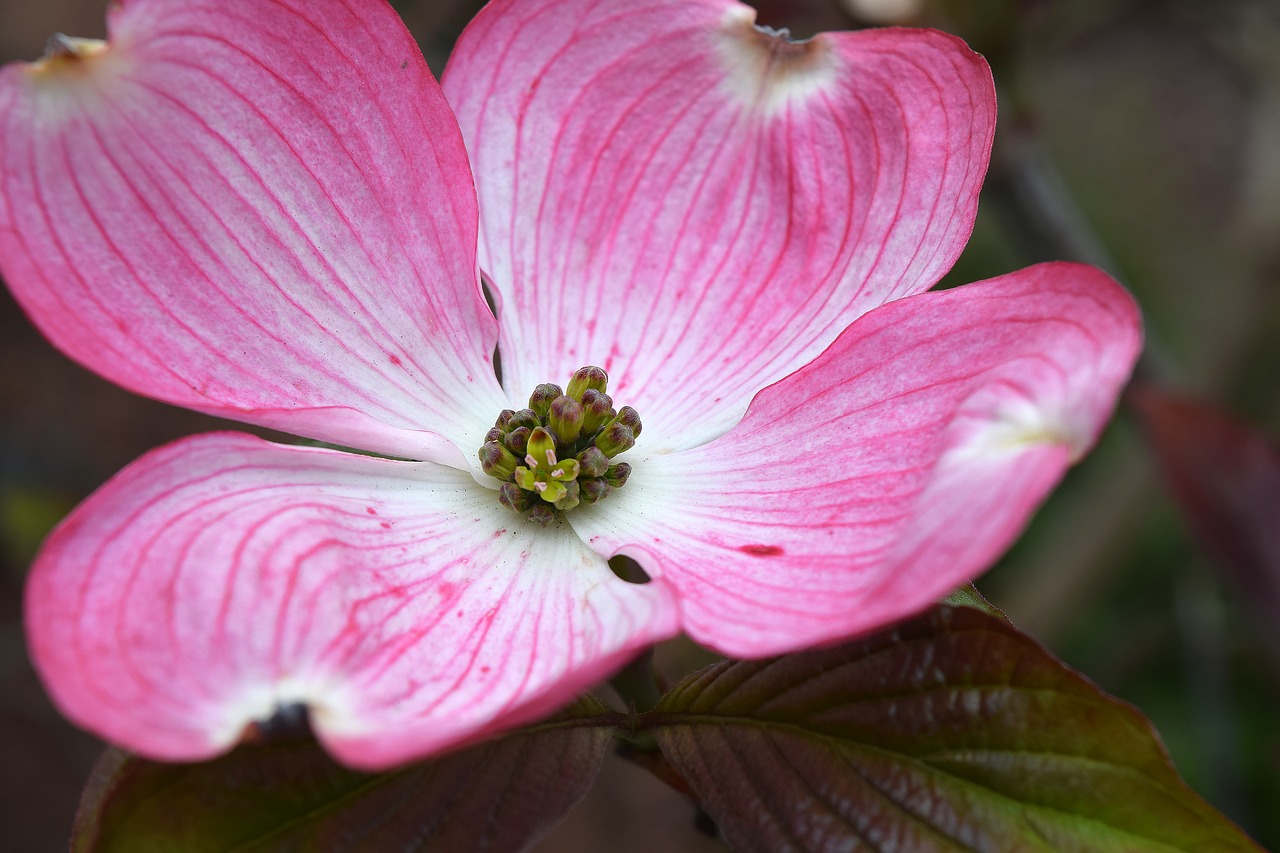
point(950, 731)
point(501, 795)
point(968, 596)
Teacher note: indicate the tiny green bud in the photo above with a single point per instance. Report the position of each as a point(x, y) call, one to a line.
point(503, 417)
point(570, 498)
point(596, 406)
point(495, 434)
point(614, 439)
point(497, 461)
point(513, 497)
point(540, 399)
point(629, 418)
point(593, 489)
point(593, 462)
point(524, 418)
point(518, 440)
point(587, 377)
point(542, 514)
point(617, 475)
point(565, 419)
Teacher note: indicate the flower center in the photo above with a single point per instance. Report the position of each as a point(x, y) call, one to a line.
point(565, 440)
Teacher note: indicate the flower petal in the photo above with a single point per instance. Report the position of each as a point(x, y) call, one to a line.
point(897, 466)
point(222, 577)
point(260, 210)
point(699, 206)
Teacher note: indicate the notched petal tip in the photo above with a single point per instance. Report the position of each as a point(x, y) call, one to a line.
point(273, 709)
point(68, 54)
point(291, 721)
point(768, 67)
point(68, 81)
point(61, 45)
point(780, 40)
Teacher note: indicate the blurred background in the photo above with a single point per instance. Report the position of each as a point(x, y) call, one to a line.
point(1139, 135)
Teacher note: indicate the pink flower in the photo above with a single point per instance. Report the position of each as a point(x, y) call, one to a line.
point(263, 209)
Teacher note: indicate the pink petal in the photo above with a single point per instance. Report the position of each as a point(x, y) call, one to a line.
point(261, 210)
point(700, 207)
point(897, 466)
point(222, 576)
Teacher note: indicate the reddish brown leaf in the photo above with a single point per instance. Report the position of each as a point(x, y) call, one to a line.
point(1226, 478)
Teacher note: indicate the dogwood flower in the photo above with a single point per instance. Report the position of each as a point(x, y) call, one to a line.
point(266, 210)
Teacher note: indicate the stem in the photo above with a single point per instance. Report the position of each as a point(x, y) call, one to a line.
point(637, 683)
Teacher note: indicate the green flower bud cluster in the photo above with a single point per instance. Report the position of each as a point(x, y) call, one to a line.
point(556, 454)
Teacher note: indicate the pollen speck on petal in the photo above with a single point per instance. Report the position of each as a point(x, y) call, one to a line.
point(761, 550)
